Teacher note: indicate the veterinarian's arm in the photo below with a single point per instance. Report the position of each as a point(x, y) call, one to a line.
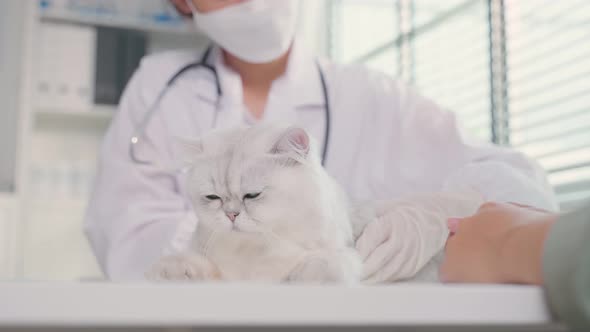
point(407, 233)
point(504, 243)
point(135, 210)
point(436, 154)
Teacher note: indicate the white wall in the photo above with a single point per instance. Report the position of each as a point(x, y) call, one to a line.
point(11, 36)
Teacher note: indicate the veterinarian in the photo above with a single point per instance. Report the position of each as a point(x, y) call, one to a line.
point(377, 137)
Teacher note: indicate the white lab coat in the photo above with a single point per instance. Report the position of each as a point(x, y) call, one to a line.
point(386, 141)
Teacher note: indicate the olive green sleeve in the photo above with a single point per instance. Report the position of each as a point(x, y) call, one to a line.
point(566, 268)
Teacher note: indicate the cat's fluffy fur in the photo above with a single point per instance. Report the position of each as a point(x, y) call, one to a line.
point(291, 218)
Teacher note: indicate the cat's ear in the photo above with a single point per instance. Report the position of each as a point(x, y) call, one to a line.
point(292, 140)
point(186, 151)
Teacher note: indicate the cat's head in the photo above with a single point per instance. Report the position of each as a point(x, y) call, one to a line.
point(256, 180)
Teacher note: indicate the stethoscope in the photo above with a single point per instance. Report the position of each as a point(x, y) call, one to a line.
point(140, 130)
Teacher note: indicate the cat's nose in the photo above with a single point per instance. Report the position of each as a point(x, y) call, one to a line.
point(232, 215)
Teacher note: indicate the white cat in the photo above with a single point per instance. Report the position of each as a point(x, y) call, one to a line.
point(267, 211)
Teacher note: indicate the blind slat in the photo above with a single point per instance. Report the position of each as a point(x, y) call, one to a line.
point(553, 85)
point(547, 119)
point(563, 161)
point(543, 71)
point(473, 52)
point(458, 86)
point(571, 180)
point(564, 142)
point(585, 127)
point(576, 97)
point(548, 153)
point(442, 73)
point(522, 19)
point(511, 15)
point(545, 50)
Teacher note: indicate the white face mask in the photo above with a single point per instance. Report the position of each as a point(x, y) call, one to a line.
point(255, 31)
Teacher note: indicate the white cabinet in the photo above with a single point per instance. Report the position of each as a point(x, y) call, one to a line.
point(11, 46)
point(62, 128)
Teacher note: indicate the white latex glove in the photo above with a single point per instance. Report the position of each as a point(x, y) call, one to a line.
point(406, 234)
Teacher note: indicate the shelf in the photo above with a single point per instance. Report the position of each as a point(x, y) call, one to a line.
point(240, 304)
point(101, 113)
point(114, 21)
point(8, 198)
point(71, 205)
point(59, 201)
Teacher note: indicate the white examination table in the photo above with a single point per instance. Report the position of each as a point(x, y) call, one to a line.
point(401, 307)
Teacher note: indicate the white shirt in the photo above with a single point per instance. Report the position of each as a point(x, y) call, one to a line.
point(386, 142)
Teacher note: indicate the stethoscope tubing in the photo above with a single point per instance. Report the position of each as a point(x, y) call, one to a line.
point(139, 132)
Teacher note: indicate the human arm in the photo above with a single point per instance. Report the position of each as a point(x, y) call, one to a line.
point(505, 243)
point(463, 163)
point(407, 233)
point(135, 211)
point(500, 243)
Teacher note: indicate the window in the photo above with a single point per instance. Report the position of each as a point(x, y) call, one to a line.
point(516, 72)
point(548, 66)
point(350, 23)
point(452, 61)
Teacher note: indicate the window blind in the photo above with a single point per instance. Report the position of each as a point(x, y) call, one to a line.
point(452, 61)
point(516, 72)
point(548, 70)
point(359, 26)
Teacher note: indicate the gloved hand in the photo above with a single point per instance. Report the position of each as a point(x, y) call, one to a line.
point(405, 235)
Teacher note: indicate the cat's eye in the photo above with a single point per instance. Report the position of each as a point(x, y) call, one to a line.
point(212, 197)
point(251, 195)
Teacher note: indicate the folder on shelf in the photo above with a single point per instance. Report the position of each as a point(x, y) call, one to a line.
point(118, 54)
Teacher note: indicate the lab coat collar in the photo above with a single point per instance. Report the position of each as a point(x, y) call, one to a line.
point(301, 79)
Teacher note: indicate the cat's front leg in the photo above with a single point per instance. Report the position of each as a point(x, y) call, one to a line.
point(185, 266)
point(331, 266)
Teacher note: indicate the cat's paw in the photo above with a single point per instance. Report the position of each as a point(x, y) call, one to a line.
point(185, 267)
point(342, 266)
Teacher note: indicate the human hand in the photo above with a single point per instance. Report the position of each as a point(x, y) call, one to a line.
point(406, 234)
point(501, 243)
